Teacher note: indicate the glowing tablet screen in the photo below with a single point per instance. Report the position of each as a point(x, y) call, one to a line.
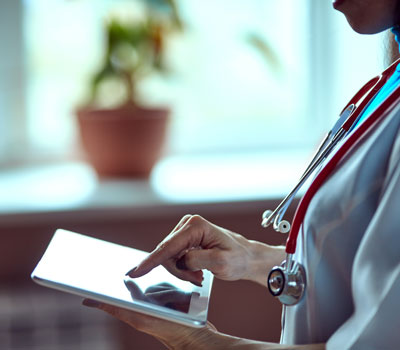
point(96, 269)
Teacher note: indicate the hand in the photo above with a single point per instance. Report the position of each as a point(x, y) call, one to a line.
point(172, 335)
point(178, 337)
point(197, 244)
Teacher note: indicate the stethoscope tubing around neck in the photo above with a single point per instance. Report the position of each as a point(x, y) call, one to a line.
point(373, 87)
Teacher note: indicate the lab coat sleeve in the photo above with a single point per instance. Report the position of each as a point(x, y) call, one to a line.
point(376, 274)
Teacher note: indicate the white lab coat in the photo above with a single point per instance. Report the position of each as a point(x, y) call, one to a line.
point(350, 247)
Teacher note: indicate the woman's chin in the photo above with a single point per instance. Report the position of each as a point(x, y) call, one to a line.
point(366, 27)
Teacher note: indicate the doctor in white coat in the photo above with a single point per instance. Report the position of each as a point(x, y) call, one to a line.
point(349, 243)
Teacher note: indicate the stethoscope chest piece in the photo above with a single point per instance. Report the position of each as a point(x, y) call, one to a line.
point(287, 282)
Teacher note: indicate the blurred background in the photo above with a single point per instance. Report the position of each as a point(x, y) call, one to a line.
point(250, 87)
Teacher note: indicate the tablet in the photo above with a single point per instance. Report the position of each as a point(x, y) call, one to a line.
point(96, 269)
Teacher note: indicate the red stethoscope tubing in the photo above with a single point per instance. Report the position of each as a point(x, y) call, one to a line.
point(376, 117)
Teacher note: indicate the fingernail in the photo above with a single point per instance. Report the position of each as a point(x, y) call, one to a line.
point(91, 303)
point(131, 271)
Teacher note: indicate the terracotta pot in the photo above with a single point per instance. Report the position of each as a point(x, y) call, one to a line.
point(125, 141)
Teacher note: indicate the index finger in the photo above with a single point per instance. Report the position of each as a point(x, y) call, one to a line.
point(172, 247)
point(167, 250)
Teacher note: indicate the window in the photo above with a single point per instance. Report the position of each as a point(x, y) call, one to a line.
point(225, 95)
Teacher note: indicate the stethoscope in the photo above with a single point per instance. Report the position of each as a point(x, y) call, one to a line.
point(287, 282)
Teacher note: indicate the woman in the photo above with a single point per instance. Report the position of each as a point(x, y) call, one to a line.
point(349, 243)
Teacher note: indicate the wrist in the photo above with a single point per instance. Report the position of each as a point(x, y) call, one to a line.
point(263, 258)
point(204, 338)
point(213, 340)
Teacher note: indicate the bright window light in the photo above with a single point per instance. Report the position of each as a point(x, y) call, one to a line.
point(225, 94)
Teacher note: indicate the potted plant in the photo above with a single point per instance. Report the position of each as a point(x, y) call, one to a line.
point(127, 139)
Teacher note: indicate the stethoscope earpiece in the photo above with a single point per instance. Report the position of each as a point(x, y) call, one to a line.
point(283, 226)
point(265, 218)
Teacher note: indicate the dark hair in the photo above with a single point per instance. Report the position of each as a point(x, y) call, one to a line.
point(392, 52)
point(392, 45)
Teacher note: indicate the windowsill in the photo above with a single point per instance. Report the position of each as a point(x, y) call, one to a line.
point(174, 181)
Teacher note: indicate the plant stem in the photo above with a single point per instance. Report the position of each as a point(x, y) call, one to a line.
point(130, 88)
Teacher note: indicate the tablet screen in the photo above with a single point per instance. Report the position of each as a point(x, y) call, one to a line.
point(96, 269)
